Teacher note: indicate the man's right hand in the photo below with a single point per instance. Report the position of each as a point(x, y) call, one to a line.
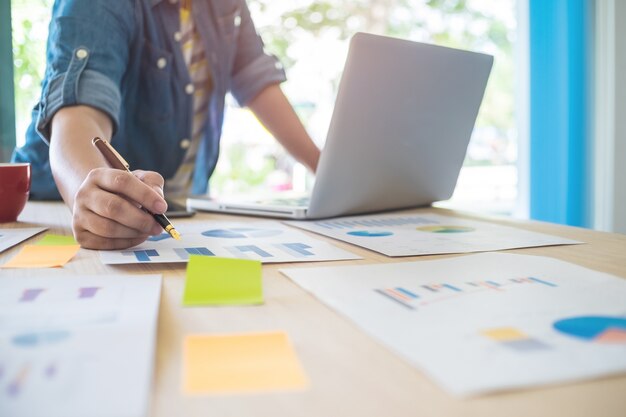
point(107, 210)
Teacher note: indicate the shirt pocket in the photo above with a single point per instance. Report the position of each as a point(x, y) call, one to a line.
point(228, 24)
point(156, 84)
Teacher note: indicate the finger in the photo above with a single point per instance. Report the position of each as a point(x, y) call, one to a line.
point(120, 210)
point(104, 227)
point(89, 240)
point(129, 186)
point(153, 179)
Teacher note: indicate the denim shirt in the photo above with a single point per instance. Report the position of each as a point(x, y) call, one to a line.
point(124, 58)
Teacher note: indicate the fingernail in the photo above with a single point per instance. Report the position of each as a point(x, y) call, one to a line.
point(160, 207)
point(156, 230)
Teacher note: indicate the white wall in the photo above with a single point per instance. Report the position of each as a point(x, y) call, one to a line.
point(610, 117)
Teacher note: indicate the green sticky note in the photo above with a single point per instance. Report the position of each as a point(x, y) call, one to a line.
point(56, 240)
point(222, 281)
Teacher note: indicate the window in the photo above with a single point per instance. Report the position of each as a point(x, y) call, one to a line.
point(311, 39)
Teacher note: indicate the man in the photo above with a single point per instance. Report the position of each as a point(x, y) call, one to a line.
point(151, 75)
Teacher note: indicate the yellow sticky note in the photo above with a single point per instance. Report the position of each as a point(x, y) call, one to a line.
point(35, 256)
point(56, 240)
point(250, 362)
point(504, 334)
point(222, 281)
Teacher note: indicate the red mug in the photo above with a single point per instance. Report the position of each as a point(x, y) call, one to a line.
point(14, 189)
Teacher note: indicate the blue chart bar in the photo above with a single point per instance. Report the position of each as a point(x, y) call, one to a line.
point(539, 281)
point(406, 292)
point(199, 251)
point(429, 288)
point(451, 287)
point(185, 252)
point(390, 297)
point(141, 255)
point(493, 283)
point(299, 248)
point(254, 249)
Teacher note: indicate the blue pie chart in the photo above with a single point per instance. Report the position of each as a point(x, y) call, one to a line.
point(370, 233)
point(600, 329)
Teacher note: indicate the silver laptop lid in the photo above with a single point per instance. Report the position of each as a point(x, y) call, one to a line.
point(399, 132)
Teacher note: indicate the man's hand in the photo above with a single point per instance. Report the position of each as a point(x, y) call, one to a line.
point(107, 210)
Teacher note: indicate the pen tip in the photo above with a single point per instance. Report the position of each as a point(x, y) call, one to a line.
point(174, 233)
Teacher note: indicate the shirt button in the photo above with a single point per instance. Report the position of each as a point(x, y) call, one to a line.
point(161, 63)
point(237, 20)
point(82, 53)
point(189, 88)
point(278, 66)
point(178, 36)
point(185, 143)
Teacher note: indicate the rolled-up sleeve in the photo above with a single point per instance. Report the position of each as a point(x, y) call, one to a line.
point(88, 49)
point(253, 68)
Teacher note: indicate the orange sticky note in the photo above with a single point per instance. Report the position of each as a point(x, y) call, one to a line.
point(35, 256)
point(250, 362)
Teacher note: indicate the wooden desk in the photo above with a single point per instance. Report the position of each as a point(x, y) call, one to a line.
point(351, 374)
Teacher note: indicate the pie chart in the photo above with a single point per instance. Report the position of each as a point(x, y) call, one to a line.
point(240, 233)
point(445, 229)
point(599, 329)
point(370, 233)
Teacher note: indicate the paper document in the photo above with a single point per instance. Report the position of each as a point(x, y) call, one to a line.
point(484, 322)
point(248, 362)
point(11, 237)
point(426, 234)
point(265, 241)
point(77, 346)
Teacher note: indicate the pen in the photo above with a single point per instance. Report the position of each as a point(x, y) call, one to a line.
point(116, 161)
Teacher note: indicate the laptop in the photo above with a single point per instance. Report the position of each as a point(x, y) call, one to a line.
point(398, 135)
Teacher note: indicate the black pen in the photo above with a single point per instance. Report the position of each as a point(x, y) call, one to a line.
point(116, 161)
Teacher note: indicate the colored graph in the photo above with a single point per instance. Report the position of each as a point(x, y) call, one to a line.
point(183, 253)
point(426, 294)
point(245, 249)
point(370, 233)
point(298, 250)
point(374, 222)
point(241, 233)
point(40, 338)
point(445, 229)
point(513, 338)
point(400, 295)
point(142, 255)
point(599, 329)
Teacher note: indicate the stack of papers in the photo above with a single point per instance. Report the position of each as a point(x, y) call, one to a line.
point(76, 346)
point(426, 234)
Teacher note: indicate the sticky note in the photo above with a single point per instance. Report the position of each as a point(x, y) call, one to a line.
point(222, 281)
point(250, 362)
point(504, 333)
point(35, 256)
point(56, 240)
